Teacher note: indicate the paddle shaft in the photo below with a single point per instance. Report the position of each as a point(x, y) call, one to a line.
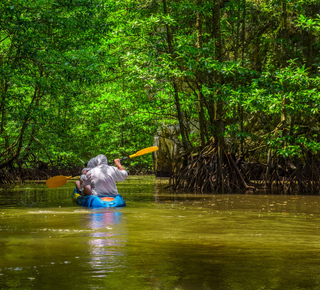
point(124, 158)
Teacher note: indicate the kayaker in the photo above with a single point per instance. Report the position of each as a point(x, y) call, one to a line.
point(79, 185)
point(102, 178)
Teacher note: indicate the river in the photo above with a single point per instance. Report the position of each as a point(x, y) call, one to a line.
point(160, 240)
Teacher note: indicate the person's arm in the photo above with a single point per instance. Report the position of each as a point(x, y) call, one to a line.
point(120, 174)
point(85, 179)
point(117, 163)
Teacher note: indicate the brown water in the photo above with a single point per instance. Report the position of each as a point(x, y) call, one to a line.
point(160, 240)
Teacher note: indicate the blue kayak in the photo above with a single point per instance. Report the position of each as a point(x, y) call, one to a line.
point(93, 201)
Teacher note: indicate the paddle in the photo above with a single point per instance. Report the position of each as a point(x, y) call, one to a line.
point(139, 153)
point(57, 181)
point(61, 180)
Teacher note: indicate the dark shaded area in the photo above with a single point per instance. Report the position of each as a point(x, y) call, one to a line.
point(12, 175)
point(22, 170)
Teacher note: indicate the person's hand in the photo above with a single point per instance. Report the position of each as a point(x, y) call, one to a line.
point(117, 162)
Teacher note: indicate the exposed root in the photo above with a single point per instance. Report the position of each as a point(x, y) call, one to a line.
point(200, 171)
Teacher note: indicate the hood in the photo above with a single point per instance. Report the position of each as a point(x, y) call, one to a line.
point(101, 159)
point(87, 169)
point(92, 163)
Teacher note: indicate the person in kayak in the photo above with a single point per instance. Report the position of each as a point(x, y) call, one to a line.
point(102, 178)
point(79, 185)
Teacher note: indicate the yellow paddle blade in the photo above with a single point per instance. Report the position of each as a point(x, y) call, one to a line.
point(57, 181)
point(144, 151)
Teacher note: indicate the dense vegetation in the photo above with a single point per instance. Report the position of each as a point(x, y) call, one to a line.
point(83, 77)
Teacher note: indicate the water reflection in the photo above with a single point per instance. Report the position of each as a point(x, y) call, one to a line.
point(106, 243)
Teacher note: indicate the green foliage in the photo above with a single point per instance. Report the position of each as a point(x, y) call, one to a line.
point(51, 53)
point(80, 78)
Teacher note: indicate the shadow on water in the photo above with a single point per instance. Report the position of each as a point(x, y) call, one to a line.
point(160, 240)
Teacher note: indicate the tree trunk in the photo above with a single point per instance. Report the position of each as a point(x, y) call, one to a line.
point(285, 118)
point(218, 105)
point(202, 125)
point(239, 108)
point(184, 136)
point(16, 146)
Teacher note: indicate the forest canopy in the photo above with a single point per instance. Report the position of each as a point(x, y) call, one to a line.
point(84, 77)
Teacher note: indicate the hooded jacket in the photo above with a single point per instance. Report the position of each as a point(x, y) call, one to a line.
point(91, 163)
point(103, 177)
